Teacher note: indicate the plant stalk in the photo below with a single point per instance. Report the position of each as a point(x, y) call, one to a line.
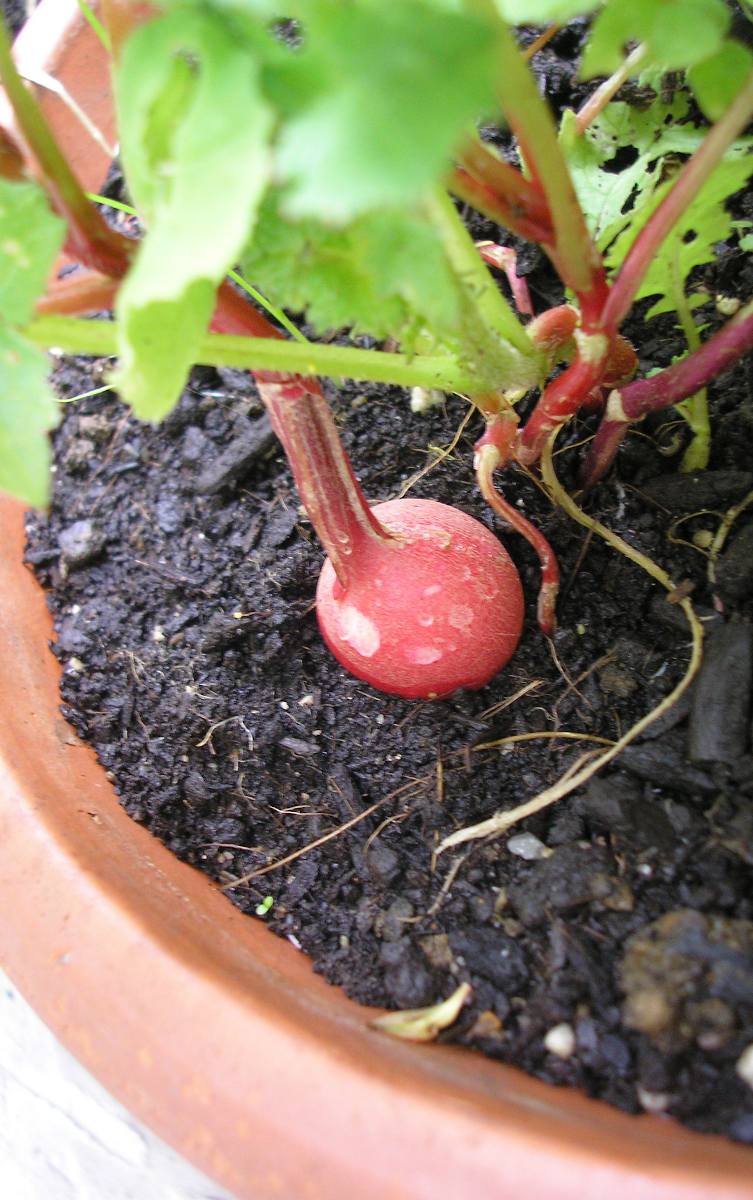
point(76, 295)
point(668, 387)
point(494, 315)
point(266, 353)
point(89, 238)
point(522, 197)
point(573, 251)
point(597, 102)
point(695, 409)
point(12, 165)
point(493, 450)
point(328, 489)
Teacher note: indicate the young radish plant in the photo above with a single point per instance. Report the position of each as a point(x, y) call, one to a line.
point(332, 195)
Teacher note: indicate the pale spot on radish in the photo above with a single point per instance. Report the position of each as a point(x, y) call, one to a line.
point(461, 617)
point(422, 656)
point(358, 631)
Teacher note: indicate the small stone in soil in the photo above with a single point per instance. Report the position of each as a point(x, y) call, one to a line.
point(80, 543)
point(251, 441)
point(718, 730)
point(528, 846)
point(408, 982)
point(734, 571)
point(684, 977)
point(491, 954)
point(563, 881)
point(680, 493)
point(664, 764)
point(560, 1040)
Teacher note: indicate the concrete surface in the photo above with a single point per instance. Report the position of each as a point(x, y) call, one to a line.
point(63, 1137)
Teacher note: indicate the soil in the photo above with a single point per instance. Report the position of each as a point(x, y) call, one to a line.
point(611, 948)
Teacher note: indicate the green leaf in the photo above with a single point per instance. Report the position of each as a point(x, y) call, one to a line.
point(384, 93)
point(194, 140)
point(717, 81)
point(384, 274)
point(608, 196)
point(692, 243)
point(544, 12)
point(677, 33)
point(28, 410)
point(30, 237)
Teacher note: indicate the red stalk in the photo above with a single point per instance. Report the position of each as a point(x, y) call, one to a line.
point(498, 207)
point(505, 259)
point(75, 295)
point(564, 395)
point(12, 165)
point(492, 450)
point(512, 187)
point(330, 493)
point(661, 391)
point(303, 422)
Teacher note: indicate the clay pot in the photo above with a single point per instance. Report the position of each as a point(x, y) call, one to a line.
point(210, 1029)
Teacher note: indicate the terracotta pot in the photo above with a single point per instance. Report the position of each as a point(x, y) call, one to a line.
point(211, 1030)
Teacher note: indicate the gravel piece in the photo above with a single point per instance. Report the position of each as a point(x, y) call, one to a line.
point(251, 441)
point(383, 863)
point(528, 846)
point(683, 976)
point(680, 493)
point(718, 730)
point(663, 764)
point(407, 980)
point(195, 445)
point(734, 571)
point(563, 881)
point(80, 543)
point(491, 954)
point(560, 1040)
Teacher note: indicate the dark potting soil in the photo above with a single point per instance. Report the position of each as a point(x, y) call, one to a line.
point(611, 948)
point(181, 575)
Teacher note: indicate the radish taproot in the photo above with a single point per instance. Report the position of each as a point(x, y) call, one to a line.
point(415, 597)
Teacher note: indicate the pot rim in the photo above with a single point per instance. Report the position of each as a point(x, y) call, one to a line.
point(127, 954)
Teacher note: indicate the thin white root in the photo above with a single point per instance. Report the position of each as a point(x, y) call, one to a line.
point(502, 821)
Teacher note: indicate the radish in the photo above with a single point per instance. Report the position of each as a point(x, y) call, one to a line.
point(415, 597)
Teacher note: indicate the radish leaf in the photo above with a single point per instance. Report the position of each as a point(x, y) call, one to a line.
point(194, 129)
point(30, 238)
point(385, 92)
point(383, 274)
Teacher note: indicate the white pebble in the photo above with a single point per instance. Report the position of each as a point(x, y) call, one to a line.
point(744, 1065)
point(653, 1102)
point(528, 846)
point(560, 1040)
point(422, 399)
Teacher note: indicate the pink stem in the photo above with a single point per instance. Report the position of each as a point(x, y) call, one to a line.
point(564, 395)
point(303, 422)
point(676, 383)
point(505, 259)
point(598, 100)
point(494, 449)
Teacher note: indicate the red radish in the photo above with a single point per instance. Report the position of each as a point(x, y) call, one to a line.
point(435, 606)
point(415, 597)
